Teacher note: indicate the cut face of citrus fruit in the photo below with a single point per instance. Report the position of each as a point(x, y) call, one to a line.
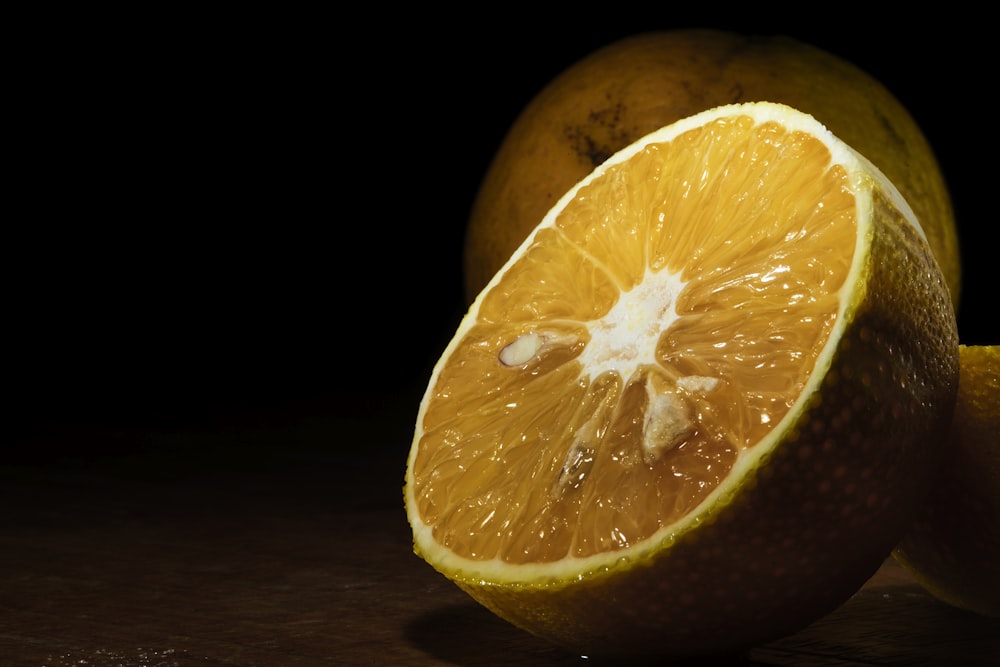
point(953, 545)
point(694, 409)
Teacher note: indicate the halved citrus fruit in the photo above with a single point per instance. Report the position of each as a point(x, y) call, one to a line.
point(694, 409)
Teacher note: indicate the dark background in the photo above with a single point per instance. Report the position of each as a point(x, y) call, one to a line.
point(227, 223)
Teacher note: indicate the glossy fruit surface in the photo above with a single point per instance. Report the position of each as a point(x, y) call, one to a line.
point(695, 409)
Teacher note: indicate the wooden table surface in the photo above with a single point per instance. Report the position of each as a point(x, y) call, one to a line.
point(194, 553)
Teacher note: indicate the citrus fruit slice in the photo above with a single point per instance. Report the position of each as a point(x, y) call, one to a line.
point(953, 546)
point(694, 409)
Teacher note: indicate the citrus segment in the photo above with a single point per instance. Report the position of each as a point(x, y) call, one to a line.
point(723, 355)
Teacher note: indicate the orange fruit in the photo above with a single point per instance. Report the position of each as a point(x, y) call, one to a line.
point(631, 87)
point(953, 547)
point(695, 408)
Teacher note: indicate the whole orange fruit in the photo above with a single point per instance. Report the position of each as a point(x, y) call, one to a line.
point(953, 547)
point(631, 87)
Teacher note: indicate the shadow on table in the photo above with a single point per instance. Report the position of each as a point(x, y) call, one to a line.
point(894, 625)
point(469, 635)
point(888, 625)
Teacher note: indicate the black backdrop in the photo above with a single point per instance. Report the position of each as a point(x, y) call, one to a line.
point(233, 217)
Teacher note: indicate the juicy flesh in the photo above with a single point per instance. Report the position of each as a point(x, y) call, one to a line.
point(663, 325)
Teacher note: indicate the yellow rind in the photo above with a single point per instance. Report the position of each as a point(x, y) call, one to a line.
point(953, 546)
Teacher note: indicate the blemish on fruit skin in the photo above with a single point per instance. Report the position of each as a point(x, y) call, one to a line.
point(890, 127)
point(594, 150)
point(735, 93)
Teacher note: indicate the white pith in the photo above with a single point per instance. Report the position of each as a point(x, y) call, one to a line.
point(625, 339)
